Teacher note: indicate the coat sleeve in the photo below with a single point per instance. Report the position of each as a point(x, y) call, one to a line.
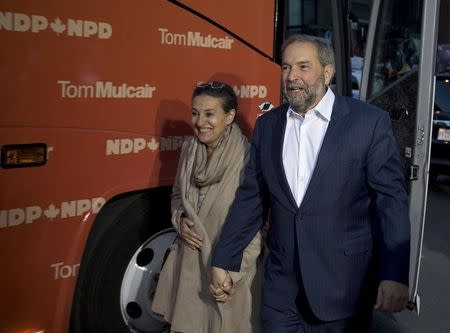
point(247, 212)
point(386, 180)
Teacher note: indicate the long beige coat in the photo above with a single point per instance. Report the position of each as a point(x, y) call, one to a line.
point(182, 295)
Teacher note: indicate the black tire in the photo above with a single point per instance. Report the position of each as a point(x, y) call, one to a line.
point(120, 228)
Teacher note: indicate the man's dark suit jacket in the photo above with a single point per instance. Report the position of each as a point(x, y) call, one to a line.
point(331, 235)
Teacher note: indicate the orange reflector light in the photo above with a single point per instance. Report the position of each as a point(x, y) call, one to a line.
point(25, 155)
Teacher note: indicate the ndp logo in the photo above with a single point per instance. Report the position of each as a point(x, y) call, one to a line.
point(17, 216)
point(137, 145)
point(250, 91)
point(71, 27)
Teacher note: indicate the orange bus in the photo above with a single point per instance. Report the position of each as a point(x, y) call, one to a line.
point(95, 104)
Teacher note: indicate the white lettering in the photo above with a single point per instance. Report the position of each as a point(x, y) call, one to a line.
point(33, 213)
point(63, 87)
point(56, 267)
point(38, 23)
point(138, 145)
point(62, 271)
point(126, 146)
point(195, 39)
point(49, 150)
point(172, 39)
point(113, 147)
point(68, 209)
point(245, 91)
point(163, 32)
point(67, 270)
point(89, 28)
point(104, 90)
point(75, 28)
point(171, 143)
point(83, 206)
point(108, 90)
point(16, 217)
point(251, 91)
point(262, 91)
point(104, 30)
point(75, 269)
point(85, 91)
point(3, 218)
point(6, 21)
point(97, 204)
point(21, 22)
point(71, 91)
point(165, 144)
point(177, 142)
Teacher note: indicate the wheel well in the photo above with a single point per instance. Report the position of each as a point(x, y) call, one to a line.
point(118, 214)
point(119, 206)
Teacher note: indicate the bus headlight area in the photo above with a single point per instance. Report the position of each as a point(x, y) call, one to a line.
point(23, 155)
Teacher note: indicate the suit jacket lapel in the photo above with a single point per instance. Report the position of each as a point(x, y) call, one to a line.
point(277, 151)
point(329, 145)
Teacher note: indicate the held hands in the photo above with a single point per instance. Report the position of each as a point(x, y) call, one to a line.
point(221, 286)
point(193, 240)
point(392, 296)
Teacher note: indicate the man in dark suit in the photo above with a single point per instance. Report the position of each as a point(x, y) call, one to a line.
point(328, 169)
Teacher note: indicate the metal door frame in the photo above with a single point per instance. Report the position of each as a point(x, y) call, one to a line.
point(422, 140)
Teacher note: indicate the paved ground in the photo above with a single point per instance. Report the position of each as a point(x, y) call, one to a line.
point(434, 283)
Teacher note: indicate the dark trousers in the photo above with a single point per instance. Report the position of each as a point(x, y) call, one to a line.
point(298, 318)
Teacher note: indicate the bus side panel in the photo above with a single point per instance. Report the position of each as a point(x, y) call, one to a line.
point(108, 89)
point(251, 20)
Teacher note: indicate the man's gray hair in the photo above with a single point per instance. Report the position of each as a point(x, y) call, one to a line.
point(324, 49)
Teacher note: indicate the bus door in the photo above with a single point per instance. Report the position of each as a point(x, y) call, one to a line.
point(385, 54)
point(398, 76)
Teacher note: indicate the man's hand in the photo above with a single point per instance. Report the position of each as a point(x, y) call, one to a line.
point(392, 296)
point(193, 239)
point(221, 286)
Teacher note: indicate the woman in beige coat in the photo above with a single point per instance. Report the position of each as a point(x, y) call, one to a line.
point(209, 172)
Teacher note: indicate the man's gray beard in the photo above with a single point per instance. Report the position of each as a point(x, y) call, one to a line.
point(302, 105)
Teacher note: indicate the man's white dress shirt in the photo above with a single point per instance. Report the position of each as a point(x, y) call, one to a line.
point(302, 141)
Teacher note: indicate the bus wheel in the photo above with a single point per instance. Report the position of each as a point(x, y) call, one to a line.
point(127, 223)
point(140, 281)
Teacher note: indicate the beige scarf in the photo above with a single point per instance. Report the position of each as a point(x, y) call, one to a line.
point(210, 169)
point(182, 294)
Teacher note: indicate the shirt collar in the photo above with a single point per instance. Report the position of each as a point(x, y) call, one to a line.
point(324, 108)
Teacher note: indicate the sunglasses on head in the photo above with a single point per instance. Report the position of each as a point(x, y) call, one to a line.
point(212, 84)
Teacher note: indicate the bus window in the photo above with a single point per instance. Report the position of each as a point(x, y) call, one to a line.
point(359, 14)
point(310, 18)
point(315, 18)
point(398, 45)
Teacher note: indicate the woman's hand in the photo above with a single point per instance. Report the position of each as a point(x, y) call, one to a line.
point(193, 240)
